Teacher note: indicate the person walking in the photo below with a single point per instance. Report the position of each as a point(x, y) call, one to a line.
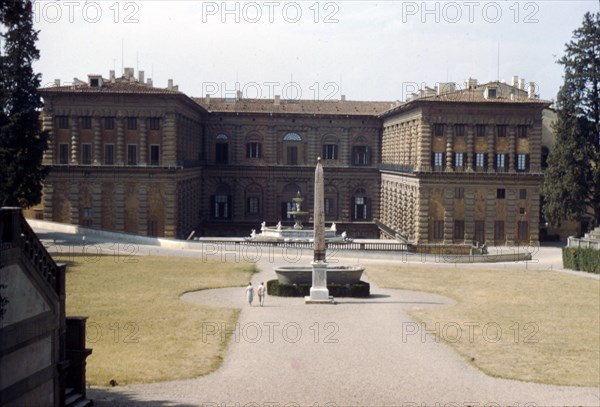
point(261, 294)
point(250, 293)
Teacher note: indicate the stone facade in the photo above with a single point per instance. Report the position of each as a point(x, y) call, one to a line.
point(127, 156)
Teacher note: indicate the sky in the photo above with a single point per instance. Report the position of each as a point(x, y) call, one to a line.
point(365, 50)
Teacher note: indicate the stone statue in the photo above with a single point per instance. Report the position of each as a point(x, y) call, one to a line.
point(279, 226)
point(344, 235)
point(253, 234)
point(263, 226)
point(333, 227)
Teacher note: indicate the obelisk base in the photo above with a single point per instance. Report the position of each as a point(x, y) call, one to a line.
point(319, 294)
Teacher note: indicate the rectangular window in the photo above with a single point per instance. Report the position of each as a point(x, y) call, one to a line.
point(459, 193)
point(132, 123)
point(221, 207)
point(253, 150)
point(63, 153)
point(459, 160)
point(154, 123)
point(480, 130)
point(501, 162)
point(86, 153)
point(252, 205)
point(501, 193)
point(152, 228)
point(521, 211)
point(499, 231)
point(221, 153)
point(459, 229)
point(523, 231)
point(522, 193)
point(330, 151)
point(109, 123)
point(501, 130)
point(109, 154)
point(86, 122)
point(131, 154)
point(438, 130)
point(154, 154)
point(438, 230)
point(479, 231)
point(459, 130)
point(63, 122)
point(522, 131)
point(438, 161)
point(329, 207)
point(360, 208)
point(522, 162)
point(360, 155)
point(480, 161)
point(292, 155)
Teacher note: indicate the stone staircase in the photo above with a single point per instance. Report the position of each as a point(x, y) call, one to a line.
point(591, 240)
point(74, 399)
point(593, 235)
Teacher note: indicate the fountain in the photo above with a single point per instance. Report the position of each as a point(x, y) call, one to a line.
point(319, 273)
point(296, 233)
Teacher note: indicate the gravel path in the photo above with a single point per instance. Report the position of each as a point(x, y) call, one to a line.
point(349, 354)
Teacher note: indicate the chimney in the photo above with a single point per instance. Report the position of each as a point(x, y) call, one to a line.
point(277, 100)
point(111, 75)
point(128, 73)
point(176, 88)
point(447, 87)
point(149, 82)
point(207, 99)
point(471, 84)
point(141, 76)
point(57, 82)
point(515, 81)
point(522, 84)
point(343, 98)
point(531, 90)
point(239, 95)
point(170, 84)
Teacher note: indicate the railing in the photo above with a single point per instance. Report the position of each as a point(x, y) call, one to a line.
point(349, 245)
point(585, 243)
point(16, 233)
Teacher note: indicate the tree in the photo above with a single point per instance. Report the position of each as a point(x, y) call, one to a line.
point(21, 142)
point(572, 180)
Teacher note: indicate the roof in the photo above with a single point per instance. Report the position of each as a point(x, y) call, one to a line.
point(302, 106)
point(475, 95)
point(120, 85)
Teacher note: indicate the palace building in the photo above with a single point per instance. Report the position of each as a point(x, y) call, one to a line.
point(447, 166)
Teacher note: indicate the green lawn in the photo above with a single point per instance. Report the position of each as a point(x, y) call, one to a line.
point(138, 327)
point(539, 326)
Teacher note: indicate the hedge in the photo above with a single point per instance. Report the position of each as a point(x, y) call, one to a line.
point(360, 289)
point(582, 259)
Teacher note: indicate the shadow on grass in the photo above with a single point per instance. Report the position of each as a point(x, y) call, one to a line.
point(121, 398)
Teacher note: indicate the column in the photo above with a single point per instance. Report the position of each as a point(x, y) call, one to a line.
point(96, 190)
point(169, 142)
point(422, 235)
point(142, 189)
point(511, 216)
point(533, 215)
point(143, 141)
point(511, 149)
point(74, 140)
point(534, 133)
point(74, 200)
point(119, 207)
point(170, 209)
point(423, 141)
point(48, 201)
point(448, 214)
point(449, 147)
point(47, 125)
point(97, 141)
point(491, 148)
point(490, 213)
point(470, 148)
point(120, 140)
point(469, 220)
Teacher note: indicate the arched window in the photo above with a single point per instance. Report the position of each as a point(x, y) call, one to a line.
point(290, 191)
point(292, 137)
point(221, 149)
point(253, 200)
point(360, 205)
point(330, 148)
point(361, 152)
point(253, 146)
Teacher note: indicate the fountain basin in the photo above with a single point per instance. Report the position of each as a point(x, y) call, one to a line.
point(303, 274)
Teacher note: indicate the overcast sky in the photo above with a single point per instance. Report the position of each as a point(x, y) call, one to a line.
point(367, 50)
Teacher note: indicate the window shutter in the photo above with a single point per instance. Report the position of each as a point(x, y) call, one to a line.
point(229, 207)
point(368, 204)
point(526, 162)
point(213, 215)
point(324, 154)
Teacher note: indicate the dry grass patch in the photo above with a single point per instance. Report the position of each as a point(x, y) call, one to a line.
point(138, 327)
point(549, 321)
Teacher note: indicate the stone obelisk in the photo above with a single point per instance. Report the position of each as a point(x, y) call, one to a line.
point(319, 292)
